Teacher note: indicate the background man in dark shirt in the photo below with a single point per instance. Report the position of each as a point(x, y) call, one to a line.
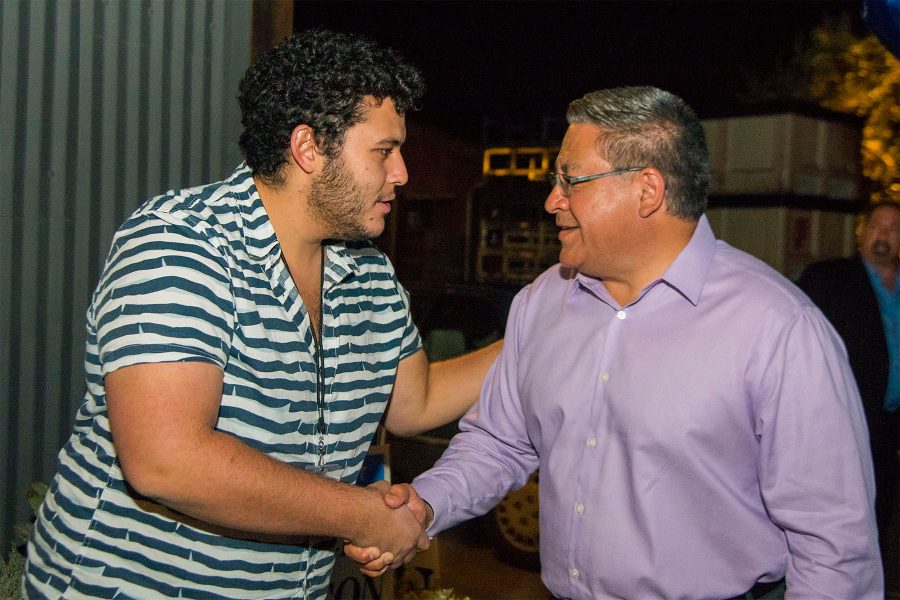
point(861, 297)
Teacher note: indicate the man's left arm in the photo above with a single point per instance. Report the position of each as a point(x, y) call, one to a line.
point(815, 467)
point(426, 395)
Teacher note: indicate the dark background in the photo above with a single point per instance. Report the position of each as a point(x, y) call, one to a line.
point(505, 71)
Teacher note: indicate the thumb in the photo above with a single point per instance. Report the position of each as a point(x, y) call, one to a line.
point(397, 496)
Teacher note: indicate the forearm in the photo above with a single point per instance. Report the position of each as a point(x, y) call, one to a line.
point(441, 393)
point(454, 385)
point(220, 480)
point(467, 482)
point(162, 418)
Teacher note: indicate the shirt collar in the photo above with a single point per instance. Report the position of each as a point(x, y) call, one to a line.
point(687, 273)
point(260, 240)
point(341, 262)
point(259, 235)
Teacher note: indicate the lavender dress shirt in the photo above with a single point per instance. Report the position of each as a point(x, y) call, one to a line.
point(706, 436)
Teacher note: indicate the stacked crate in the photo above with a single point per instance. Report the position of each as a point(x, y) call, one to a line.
point(512, 250)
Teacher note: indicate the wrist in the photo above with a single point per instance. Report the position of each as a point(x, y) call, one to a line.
point(366, 502)
point(429, 515)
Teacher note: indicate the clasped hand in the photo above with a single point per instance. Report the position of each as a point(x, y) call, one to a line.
point(388, 550)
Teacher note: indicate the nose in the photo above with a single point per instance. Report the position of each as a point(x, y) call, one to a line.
point(882, 234)
point(397, 175)
point(556, 201)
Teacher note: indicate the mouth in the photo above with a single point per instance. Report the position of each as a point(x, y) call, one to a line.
point(385, 204)
point(880, 247)
point(565, 229)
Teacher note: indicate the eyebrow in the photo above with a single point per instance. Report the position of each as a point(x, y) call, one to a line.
point(391, 141)
point(564, 168)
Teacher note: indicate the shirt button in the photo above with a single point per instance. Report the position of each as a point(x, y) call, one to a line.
point(592, 443)
point(579, 508)
point(621, 314)
point(574, 573)
point(604, 376)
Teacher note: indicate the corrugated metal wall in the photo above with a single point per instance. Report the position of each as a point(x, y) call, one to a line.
point(103, 103)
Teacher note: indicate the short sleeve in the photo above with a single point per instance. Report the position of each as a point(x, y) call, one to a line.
point(164, 296)
point(412, 341)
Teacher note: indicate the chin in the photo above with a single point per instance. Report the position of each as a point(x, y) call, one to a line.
point(569, 262)
point(374, 231)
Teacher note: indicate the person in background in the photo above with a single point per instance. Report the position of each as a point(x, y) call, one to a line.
point(693, 415)
point(243, 343)
point(860, 295)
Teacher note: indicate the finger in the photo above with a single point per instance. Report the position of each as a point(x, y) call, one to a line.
point(379, 564)
point(382, 561)
point(372, 573)
point(361, 555)
point(423, 543)
point(417, 507)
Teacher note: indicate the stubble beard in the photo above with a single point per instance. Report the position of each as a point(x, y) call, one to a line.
point(337, 203)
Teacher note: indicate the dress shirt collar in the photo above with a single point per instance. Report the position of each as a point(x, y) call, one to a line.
point(687, 273)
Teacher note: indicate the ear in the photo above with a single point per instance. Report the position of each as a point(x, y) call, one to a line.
point(304, 150)
point(653, 192)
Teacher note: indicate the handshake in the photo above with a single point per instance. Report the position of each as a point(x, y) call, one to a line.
point(396, 531)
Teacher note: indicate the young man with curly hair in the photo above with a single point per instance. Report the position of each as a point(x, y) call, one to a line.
point(244, 341)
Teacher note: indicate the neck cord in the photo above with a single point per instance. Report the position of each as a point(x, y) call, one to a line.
point(320, 367)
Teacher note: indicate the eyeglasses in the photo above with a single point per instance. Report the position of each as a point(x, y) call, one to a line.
point(565, 182)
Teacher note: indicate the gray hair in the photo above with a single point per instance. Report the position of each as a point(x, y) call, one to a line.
point(649, 127)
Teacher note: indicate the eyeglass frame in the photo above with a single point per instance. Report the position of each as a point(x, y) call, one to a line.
point(558, 179)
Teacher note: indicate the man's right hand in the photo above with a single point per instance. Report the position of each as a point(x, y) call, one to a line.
point(396, 532)
point(374, 562)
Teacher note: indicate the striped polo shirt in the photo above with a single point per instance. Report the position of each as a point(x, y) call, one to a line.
point(197, 275)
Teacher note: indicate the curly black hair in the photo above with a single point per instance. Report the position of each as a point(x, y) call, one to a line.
point(317, 78)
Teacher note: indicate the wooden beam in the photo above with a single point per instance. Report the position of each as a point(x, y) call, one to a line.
point(273, 20)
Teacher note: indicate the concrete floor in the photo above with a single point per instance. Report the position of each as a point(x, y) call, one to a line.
point(462, 559)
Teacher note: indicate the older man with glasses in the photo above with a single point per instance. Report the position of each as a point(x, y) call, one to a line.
point(695, 421)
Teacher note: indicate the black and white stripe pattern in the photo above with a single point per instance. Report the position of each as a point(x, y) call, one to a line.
point(197, 275)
